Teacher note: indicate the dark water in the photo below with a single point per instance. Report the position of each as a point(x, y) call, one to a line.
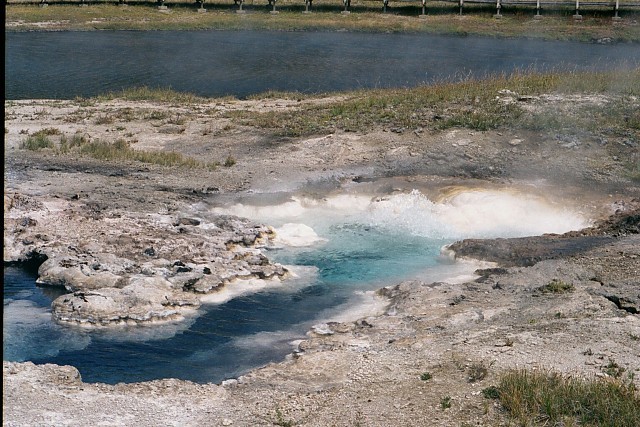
point(216, 63)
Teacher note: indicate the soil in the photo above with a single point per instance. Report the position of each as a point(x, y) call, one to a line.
point(367, 372)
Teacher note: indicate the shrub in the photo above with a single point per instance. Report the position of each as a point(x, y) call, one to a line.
point(491, 392)
point(477, 372)
point(556, 287)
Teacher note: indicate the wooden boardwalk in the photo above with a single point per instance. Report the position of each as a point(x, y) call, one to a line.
point(615, 6)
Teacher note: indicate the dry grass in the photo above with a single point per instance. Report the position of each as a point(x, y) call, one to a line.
point(121, 151)
point(534, 398)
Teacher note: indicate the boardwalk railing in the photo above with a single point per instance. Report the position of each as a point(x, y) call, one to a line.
point(538, 5)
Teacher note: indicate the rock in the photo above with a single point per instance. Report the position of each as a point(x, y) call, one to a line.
point(322, 329)
point(145, 300)
point(120, 273)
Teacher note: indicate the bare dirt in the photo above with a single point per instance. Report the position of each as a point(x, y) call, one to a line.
point(367, 372)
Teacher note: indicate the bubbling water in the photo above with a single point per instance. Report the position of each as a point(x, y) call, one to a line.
point(459, 213)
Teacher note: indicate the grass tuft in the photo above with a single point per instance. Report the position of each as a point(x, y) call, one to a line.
point(445, 402)
point(535, 398)
point(37, 141)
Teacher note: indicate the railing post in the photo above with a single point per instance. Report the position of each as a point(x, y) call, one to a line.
point(347, 3)
point(577, 16)
point(498, 7)
point(537, 16)
point(615, 11)
point(424, 9)
point(461, 4)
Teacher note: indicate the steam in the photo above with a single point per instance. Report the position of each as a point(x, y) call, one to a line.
point(28, 333)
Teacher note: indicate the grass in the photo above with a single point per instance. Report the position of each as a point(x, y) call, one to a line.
point(612, 369)
point(537, 398)
point(443, 18)
point(37, 141)
point(145, 93)
point(471, 103)
point(120, 150)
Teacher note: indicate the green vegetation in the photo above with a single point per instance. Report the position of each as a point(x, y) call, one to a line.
point(473, 104)
point(491, 392)
point(556, 287)
point(633, 170)
point(443, 18)
point(426, 376)
point(613, 369)
point(281, 421)
point(496, 103)
point(534, 398)
point(445, 402)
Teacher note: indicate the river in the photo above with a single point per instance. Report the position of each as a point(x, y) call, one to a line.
point(65, 65)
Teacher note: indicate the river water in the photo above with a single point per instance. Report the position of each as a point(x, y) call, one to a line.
point(65, 65)
point(349, 246)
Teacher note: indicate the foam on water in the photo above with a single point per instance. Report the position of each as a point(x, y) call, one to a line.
point(295, 235)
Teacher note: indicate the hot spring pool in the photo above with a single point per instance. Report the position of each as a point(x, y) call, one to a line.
point(339, 248)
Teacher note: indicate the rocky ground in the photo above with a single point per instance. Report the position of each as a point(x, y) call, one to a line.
point(128, 233)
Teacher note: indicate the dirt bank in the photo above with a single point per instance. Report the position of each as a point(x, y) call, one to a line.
point(366, 372)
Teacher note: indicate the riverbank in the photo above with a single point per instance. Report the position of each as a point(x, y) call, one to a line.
point(74, 184)
point(595, 26)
